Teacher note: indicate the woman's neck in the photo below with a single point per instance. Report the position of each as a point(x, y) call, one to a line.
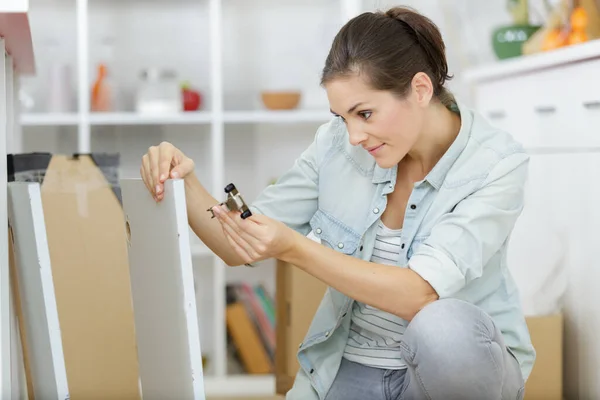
point(439, 132)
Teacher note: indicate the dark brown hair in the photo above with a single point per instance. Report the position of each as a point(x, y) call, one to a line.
point(389, 48)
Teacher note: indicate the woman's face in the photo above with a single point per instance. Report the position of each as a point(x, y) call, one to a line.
point(386, 126)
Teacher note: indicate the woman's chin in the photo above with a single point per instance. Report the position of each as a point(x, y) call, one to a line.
point(386, 162)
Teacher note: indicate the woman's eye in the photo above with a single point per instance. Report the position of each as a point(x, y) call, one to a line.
point(365, 114)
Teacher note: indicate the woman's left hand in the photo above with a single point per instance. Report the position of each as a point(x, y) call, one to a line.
point(255, 238)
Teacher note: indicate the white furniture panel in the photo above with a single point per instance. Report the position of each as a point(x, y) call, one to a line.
point(36, 292)
point(162, 287)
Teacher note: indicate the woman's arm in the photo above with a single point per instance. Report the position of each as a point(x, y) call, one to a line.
point(399, 291)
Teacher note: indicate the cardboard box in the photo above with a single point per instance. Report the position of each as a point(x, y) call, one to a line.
point(546, 379)
point(88, 252)
point(298, 296)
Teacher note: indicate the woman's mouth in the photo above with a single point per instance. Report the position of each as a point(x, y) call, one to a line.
point(375, 149)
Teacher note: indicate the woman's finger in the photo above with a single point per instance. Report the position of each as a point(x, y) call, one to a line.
point(240, 226)
point(154, 158)
point(236, 237)
point(236, 247)
point(148, 176)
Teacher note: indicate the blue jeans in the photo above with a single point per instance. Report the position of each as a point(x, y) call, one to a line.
point(453, 351)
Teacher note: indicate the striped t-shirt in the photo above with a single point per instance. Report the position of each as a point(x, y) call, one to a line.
point(375, 335)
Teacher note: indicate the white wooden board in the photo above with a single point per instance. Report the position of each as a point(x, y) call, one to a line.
point(36, 292)
point(162, 286)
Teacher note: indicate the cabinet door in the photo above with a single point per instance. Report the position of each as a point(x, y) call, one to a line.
point(298, 296)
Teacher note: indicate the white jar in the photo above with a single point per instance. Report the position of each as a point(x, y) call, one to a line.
point(158, 92)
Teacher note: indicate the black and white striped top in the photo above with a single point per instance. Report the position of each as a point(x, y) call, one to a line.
point(375, 335)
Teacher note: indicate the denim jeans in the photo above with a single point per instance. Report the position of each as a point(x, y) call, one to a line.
point(453, 351)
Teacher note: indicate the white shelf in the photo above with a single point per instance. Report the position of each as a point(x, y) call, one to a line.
point(284, 116)
point(133, 118)
point(240, 385)
point(184, 118)
point(524, 64)
point(49, 119)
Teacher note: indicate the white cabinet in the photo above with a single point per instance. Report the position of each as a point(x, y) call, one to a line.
point(551, 103)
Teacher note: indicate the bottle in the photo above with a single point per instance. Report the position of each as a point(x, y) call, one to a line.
point(101, 91)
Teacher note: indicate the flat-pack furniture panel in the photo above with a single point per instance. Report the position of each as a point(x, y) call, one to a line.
point(162, 286)
point(31, 275)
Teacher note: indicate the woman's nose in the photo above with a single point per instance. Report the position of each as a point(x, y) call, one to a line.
point(357, 136)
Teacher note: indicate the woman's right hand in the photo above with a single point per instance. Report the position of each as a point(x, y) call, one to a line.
point(161, 163)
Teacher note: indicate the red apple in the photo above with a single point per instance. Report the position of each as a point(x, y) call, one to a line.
point(192, 99)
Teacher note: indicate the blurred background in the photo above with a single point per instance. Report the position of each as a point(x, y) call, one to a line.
point(235, 84)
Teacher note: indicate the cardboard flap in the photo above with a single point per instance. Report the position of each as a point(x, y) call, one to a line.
point(88, 252)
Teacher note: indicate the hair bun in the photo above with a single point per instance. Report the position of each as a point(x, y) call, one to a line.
point(427, 36)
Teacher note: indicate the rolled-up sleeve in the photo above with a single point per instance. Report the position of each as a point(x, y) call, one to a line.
point(293, 199)
point(464, 240)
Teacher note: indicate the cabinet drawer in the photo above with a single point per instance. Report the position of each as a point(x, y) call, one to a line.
point(556, 107)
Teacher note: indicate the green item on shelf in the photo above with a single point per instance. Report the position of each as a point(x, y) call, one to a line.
point(507, 41)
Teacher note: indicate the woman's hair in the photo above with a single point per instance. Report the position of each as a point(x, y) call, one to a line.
point(388, 49)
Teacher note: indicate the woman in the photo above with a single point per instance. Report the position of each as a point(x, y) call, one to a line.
point(413, 196)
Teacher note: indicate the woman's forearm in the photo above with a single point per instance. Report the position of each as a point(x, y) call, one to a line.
point(399, 291)
point(208, 229)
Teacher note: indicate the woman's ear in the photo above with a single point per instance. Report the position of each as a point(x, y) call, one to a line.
point(422, 88)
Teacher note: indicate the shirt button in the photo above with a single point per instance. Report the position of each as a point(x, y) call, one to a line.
point(312, 370)
point(319, 231)
point(326, 334)
point(343, 315)
point(376, 210)
point(412, 206)
point(402, 245)
point(341, 245)
point(361, 248)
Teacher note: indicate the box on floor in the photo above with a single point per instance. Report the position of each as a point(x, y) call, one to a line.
point(90, 270)
point(299, 295)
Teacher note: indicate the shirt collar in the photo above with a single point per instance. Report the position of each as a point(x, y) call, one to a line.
point(438, 173)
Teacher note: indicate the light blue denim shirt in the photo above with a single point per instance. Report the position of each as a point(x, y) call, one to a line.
point(455, 233)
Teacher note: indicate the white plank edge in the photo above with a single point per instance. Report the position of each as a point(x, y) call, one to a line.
point(162, 282)
point(5, 381)
point(533, 62)
point(16, 31)
point(36, 289)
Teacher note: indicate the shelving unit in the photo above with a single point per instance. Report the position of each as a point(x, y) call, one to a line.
point(227, 139)
point(18, 59)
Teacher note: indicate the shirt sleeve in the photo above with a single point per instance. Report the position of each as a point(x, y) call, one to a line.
point(293, 199)
point(464, 240)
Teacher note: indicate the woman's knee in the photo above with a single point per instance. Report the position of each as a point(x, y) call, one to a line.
point(450, 329)
point(453, 348)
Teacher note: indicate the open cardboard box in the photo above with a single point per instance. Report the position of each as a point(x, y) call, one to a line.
point(90, 269)
point(299, 295)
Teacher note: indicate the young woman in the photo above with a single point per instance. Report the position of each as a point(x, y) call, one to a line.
point(413, 196)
